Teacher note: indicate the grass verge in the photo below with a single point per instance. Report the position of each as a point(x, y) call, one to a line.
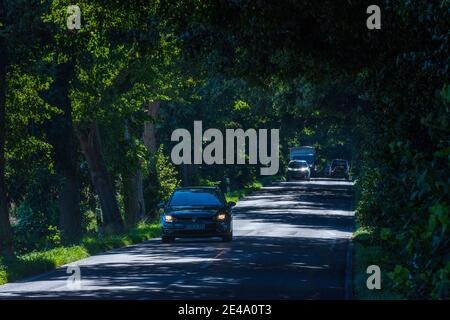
point(42, 261)
point(236, 195)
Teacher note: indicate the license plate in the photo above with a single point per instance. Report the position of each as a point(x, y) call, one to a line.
point(195, 226)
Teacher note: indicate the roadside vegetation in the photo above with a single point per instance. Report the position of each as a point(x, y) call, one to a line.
point(36, 262)
point(236, 195)
point(368, 251)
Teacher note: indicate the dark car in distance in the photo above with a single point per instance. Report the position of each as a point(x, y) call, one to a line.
point(197, 212)
point(339, 168)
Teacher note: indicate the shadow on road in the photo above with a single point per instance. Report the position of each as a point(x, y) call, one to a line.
point(293, 268)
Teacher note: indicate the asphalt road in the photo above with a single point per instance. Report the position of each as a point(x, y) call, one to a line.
point(291, 242)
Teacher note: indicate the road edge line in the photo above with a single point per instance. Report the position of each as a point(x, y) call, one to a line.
point(349, 294)
point(349, 271)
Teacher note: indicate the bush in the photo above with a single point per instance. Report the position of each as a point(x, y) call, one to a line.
point(161, 180)
point(167, 175)
point(35, 228)
point(410, 217)
point(367, 252)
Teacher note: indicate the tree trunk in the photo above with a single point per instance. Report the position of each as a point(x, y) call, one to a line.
point(6, 243)
point(185, 175)
point(91, 147)
point(69, 208)
point(133, 193)
point(189, 175)
point(149, 127)
point(133, 198)
point(62, 138)
point(149, 138)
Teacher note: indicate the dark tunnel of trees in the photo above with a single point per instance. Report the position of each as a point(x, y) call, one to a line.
point(86, 115)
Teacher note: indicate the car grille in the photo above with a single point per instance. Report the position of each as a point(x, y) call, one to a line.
point(193, 219)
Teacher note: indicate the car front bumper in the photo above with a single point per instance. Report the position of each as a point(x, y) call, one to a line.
point(298, 174)
point(207, 229)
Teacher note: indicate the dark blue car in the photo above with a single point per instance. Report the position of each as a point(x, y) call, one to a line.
point(197, 212)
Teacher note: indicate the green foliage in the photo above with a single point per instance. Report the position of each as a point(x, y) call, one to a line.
point(162, 179)
point(368, 250)
point(167, 175)
point(37, 216)
point(89, 222)
point(206, 182)
point(141, 232)
point(410, 219)
point(404, 187)
point(236, 195)
point(54, 237)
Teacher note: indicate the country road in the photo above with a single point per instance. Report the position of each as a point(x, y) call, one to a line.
point(291, 242)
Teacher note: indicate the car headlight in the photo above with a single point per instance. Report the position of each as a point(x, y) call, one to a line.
point(168, 218)
point(221, 216)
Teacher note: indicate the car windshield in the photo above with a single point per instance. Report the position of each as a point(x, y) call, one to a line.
point(304, 157)
point(339, 163)
point(194, 198)
point(297, 164)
